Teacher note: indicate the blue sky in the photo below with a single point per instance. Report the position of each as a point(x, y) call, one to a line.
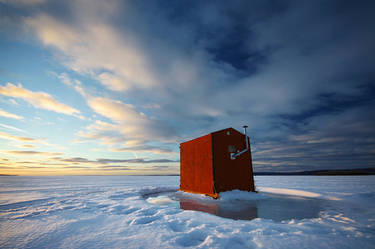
point(94, 87)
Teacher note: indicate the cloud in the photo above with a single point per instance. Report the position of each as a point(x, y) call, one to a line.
point(90, 49)
point(329, 141)
point(132, 124)
point(10, 115)
point(52, 32)
point(13, 102)
point(77, 160)
point(122, 59)
point(40, 100)
point(21, 139)
point(144, 148)
point(112, 82)
point(140, 166)
point(296, 73)
point(117, 168)
point(138, 160)
point(22, 2)
point(9, 127)
point(106, 133)
point(31, 153)
point(81, 160)
point(51, 162)
point(42, 141)
point(27, 146)
point(164, 169)
point(76, 84)
point(119, 113)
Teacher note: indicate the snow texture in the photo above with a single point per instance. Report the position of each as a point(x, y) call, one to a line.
point(138, 212)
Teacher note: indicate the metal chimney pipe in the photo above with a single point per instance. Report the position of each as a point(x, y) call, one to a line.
point(247, 141)
point(234, 155)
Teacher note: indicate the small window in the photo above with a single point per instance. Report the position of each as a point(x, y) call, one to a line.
point(232, 148)
point(228, 133)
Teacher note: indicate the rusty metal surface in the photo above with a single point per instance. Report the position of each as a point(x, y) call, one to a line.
point(196, 166)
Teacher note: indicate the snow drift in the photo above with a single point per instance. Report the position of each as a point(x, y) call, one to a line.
point(113, 212)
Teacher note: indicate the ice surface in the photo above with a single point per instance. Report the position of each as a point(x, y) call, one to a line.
point(138, 212)
point(242, 205)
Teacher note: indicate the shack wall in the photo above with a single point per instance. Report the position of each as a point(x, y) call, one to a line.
point(196, 173)
point(231, 174)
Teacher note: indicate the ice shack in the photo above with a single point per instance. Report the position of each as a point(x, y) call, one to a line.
point(217, 162)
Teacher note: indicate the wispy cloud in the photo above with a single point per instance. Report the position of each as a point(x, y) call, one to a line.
point(49, 161)
point(14, 102)
point(22, 2)
point(130, 126)
point(116, 168)
point(40, 100)
point(9, 127)
point(31, 153)
point(10, 115)
point(21, 139)
point(299, 75)
point(27, 146)
point(104, 132)
point(81, 160)
point(96, 47)
point(42, 141)
point(138, 160)
point(76, 84)
point(144, 148)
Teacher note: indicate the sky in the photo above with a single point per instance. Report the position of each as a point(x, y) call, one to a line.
point(113, 87)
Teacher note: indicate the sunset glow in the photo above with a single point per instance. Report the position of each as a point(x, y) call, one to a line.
point(99, 87)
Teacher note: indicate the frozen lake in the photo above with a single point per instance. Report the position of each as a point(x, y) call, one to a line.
point(275, 207)
point(147, 212)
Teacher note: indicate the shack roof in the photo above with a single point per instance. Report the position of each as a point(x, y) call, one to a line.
point(212, 133)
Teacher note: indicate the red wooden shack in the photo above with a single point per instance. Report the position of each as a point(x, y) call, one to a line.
point(217, 162)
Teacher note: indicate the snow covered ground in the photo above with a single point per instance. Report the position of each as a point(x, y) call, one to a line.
point(146, 212)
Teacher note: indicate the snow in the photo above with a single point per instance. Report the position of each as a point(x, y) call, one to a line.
point(286, 191)
point(147, 212)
